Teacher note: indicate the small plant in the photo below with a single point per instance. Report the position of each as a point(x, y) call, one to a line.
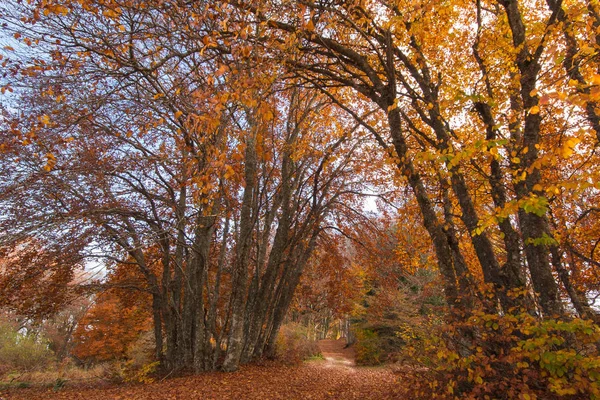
point(315, 357)
point(129, 372)
point(59, 383)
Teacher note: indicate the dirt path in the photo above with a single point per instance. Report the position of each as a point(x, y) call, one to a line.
point(336, 353)
point(336, 377)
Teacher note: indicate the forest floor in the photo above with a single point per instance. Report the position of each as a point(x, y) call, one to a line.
point(334, 377)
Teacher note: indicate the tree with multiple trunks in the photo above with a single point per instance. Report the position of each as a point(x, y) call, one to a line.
point(157, 146)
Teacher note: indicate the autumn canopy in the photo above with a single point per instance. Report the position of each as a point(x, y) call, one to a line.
point(211, 157)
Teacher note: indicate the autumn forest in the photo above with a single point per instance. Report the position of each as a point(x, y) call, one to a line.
point(361, 199)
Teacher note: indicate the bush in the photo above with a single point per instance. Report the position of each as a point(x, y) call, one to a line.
point(391, 316)
point(128, 371)
point(22, 352)
point(378, 344)
point(368, 349)
point(140, 365)
point(509, 356)
point(293, 344)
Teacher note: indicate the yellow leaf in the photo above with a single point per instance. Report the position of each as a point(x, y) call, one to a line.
point(229, 172)
point(310, 26)
point(596, 80)
point(45, 119)
point(534, 110)
point(587, 50)
point(56, 9)
point(222, 69)
point(110, 13)
point(268, 115)
point(568, 147)
point(178, 114)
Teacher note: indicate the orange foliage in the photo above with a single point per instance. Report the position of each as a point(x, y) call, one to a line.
point(109, 328)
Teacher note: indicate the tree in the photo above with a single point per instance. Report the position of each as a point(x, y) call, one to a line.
point(479, 146)
point(207, 176)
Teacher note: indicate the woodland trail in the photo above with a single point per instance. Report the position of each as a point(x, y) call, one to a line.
point(336, 354)
point(335, 377)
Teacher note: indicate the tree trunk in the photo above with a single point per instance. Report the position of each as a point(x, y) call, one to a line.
point(235, 342)
point(533, 226)
point(430, 219)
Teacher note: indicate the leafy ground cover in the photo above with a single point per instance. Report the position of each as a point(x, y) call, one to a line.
point(333, 377)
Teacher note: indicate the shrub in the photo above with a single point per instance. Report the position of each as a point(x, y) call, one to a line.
point(22, 352)
point(368, 349)
point(509, 356)
point(140, 365)
point(294, 345)
point(379, 344)
point(128, 371)
point(141, 351)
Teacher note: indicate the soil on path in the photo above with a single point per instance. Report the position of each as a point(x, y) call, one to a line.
point(335, 377)
point(336, 353)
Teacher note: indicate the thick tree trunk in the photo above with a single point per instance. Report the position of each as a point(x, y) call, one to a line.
point(430, 219)
point(211, 354)
point(264, 294)
point(196, 276)
point(235, 342)
point(466, 284)
point(512, 272)
point(157, 324)
point(533, 226)
point(286, 289)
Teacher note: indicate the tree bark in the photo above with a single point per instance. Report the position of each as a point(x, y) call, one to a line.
point(235, 342)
